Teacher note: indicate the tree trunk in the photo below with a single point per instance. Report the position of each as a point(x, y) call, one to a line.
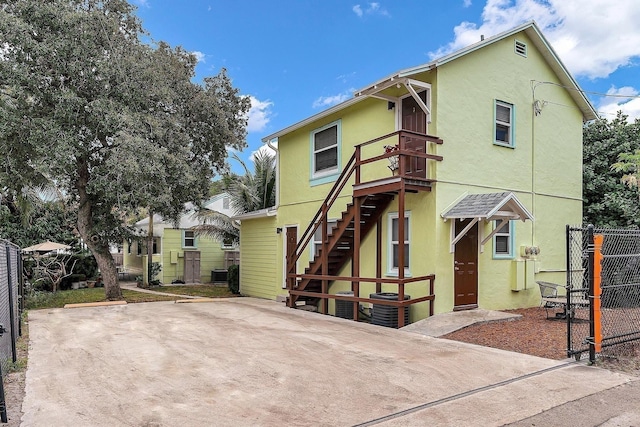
point(98, 247)
point(150, 248)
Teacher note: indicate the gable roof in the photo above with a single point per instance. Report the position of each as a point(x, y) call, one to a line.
point(489, 207)
point(530, 28)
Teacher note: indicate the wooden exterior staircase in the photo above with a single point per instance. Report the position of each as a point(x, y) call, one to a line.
point(369, 200)
point(341, 240)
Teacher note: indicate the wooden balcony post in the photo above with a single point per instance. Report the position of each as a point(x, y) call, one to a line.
point(324, 302)
point(357, 163)
point(379, 254)
point(355, 263)
point(401, 254)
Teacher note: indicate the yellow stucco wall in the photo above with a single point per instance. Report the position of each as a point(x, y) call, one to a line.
point(543, 170)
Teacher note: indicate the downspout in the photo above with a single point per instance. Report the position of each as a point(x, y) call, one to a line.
point(533, 162)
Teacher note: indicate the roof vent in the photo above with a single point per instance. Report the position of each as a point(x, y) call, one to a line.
point(521, 48)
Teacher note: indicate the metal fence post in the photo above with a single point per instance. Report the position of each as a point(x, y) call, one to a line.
point(590, 250)
point(20, 293)
point(569, 271)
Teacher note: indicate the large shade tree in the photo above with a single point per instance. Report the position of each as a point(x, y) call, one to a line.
point(608, 201)
point(89, 105)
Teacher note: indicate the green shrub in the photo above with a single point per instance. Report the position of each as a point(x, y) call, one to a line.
point(233, 278)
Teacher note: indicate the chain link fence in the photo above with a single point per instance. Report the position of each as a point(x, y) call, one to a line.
point(604, 265)
point(11, 292)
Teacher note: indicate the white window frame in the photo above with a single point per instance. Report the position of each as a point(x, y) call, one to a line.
point(391, 269)
point(317, 243)
point(330, 174)
point(185, 238)
point(510, 240)
point(511, 134)
point(225, 246)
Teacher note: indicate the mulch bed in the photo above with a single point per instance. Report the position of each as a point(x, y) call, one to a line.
point(530, 334)
point(536, 335)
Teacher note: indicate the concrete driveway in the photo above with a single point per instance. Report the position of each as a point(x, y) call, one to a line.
point(249, 362)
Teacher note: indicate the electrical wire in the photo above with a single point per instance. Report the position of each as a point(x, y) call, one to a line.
point(609, 95)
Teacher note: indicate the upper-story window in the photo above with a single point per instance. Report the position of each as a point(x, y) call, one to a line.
point(188, 239)
point(325, 152)
point(504, 132)
point(503, 240)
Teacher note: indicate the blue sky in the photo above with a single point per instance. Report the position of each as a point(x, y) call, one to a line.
point(295, 58)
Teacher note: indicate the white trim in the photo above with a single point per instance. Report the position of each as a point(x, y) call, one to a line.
point(532, 31)
point(510, 239)
point(262, 213)
point(195, 242)
point(511, 143)
point(314, 118)
point(425, 106)
point(456, 238)
point(335, 170)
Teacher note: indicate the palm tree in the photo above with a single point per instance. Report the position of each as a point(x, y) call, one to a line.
point(250, 192)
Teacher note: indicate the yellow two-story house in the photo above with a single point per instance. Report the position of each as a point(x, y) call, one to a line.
point(446, 186)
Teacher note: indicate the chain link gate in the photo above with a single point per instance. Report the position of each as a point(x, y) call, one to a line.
point(603, 264)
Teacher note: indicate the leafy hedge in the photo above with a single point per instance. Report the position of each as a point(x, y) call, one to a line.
point(233, 278)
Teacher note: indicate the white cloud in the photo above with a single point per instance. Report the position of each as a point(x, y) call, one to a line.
point(200, 57)
point(259, 114)
point(625, 99)
point(263, 149)
point(593, 38)
point(466, 3)
point(328, 101)
point(143, 3)
point(373, 8)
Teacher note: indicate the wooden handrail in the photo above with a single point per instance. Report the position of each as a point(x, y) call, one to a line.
point(326, 205)
point(401, 133)
point(353, 165)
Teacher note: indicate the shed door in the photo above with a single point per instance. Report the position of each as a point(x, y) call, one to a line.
point(414, 119)
point(466, 268)
point(192, 266)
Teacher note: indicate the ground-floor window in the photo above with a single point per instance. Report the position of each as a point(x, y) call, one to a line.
point(395, 241)
point(503, 240)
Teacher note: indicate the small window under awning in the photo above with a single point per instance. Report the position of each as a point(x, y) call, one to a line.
point(501, 207)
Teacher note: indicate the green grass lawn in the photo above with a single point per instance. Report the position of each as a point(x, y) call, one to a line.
point(77, 296)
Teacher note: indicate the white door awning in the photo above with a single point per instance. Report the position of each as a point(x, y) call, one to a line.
point(501, 207)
